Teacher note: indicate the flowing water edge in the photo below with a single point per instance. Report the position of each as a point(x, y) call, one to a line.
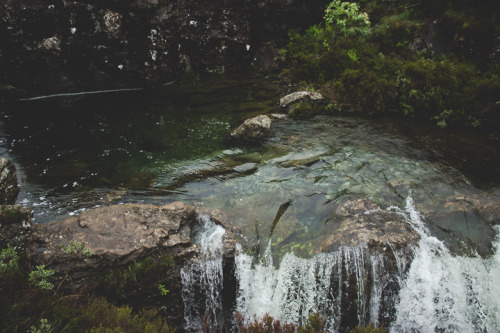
point(170, 143)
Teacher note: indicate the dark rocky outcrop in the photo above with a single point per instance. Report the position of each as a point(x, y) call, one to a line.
point(8, 182)
point(52, 46)
point(256, 129)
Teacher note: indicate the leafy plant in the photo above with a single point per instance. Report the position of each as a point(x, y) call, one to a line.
point(353, 55)
point(9, 259)
point(368, 329)
point(163, 290)
point(78, 248)
point(43, 327)
point(346, 20)
point(316, 324)
point(39, 277)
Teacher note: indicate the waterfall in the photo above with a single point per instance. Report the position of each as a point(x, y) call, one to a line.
point(202, 280)
point(345, 286)
point(437, 291)
point(443, 292)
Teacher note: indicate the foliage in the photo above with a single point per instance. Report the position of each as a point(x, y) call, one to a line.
point(345, 20)
point(78, 248)
point(163, 290)
point(9, 259)
point(315, 324)
point(43, 327)
point(388, 73)
point(368, 329)
point(100, 316)
point(39, 276)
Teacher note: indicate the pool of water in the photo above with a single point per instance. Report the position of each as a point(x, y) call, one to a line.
point(170, 143)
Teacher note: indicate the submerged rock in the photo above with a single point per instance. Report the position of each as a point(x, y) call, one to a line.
point(256, 129)
point(8, 182)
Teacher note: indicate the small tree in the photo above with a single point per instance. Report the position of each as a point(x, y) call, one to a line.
point(345, 19)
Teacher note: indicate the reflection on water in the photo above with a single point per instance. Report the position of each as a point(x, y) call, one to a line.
point(170, 143)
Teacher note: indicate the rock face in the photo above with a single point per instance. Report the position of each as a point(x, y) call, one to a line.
point(114, 235)
point(122, 251)
point(97, 44)
point(15, 221)
point(362, 221)
point(8, 182)
point(256, 129)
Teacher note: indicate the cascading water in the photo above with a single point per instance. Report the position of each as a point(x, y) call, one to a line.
point(437, 292)
point(443, 292)
point(350, 285)
point(202, 280)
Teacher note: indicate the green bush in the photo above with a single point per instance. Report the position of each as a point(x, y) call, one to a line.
point(381, 74)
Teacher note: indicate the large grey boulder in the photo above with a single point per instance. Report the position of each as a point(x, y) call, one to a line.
point(8, 182)
point(255, 129)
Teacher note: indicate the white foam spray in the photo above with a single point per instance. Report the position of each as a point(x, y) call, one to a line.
point(444, 292)
point(202, 279)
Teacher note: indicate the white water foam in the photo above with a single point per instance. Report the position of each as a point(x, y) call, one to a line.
point(444, 292)
point(437, 292)
point(301, 287)
point(202, 279)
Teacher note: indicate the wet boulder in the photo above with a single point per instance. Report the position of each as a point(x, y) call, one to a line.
point(83, 247)
point(255, 129)
point(8, 182)
point(485, 206)
point(373, 248)
point(362, 221)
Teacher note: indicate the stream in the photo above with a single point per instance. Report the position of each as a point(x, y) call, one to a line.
point(170, 143)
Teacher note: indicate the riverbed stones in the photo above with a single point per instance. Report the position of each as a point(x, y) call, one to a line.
point(8, 182)
point(255, 129)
